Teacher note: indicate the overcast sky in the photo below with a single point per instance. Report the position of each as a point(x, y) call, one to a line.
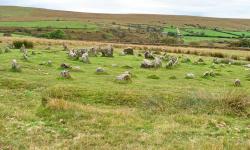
point(210, 8)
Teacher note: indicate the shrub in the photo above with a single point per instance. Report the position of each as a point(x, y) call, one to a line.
point(248, 58)
point(7, 34)
point(27, 44)
point(57, 34)
point(171, 41)
point(235, 57)
point(218, 54)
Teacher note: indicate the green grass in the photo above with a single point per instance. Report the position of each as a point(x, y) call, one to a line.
point(16, 35)
point(213, 35)
point(40, 111)
point(170, 30)
point(207, 32)
point(51, 24)
point(240, 33)
point(198, 39)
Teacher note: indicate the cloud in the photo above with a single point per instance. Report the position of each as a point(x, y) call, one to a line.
point(219, 8)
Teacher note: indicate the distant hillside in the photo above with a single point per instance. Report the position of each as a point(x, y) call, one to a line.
point(13, 13)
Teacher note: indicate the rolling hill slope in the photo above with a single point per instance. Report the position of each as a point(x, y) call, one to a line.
point(13, 13)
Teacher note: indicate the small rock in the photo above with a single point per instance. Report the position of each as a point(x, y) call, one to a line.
point(76, 68)
point(65, 74)
point(124, 77)
point(100, 70)
point(190, 76)
point(65, 66)
point(49, 63)
point(206, 74)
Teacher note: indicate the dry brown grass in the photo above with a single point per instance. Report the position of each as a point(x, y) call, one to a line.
point(212, 52)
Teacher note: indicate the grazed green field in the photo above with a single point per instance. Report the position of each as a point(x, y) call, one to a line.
point(16, 35)
point(198, 39)
point(51, 24)
point(240, 33)
point(206, 32)
point(195, 34)
point(93, 111)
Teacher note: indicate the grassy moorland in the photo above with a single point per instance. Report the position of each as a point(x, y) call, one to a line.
point(51, 24)
point(125, 28)
point(158, 109)
point(11, 13)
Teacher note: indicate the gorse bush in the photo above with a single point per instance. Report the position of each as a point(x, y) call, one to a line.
point(19, 44)
point(57, 34)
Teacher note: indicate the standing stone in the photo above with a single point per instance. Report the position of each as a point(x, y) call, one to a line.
point(65, 47)
point(93, 52)
point(85, 58)
point(107, 51)
point(157, 62)
point(128, 51)
point(237, 83)
point(148, 55)
point(15, 66)
point(25, 56)
point(23, 49)
point(147, 64)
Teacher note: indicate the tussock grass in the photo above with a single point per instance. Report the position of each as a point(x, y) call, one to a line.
point(85, 95)
point(14, 83)
point(248, 58)
point(234, 102)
